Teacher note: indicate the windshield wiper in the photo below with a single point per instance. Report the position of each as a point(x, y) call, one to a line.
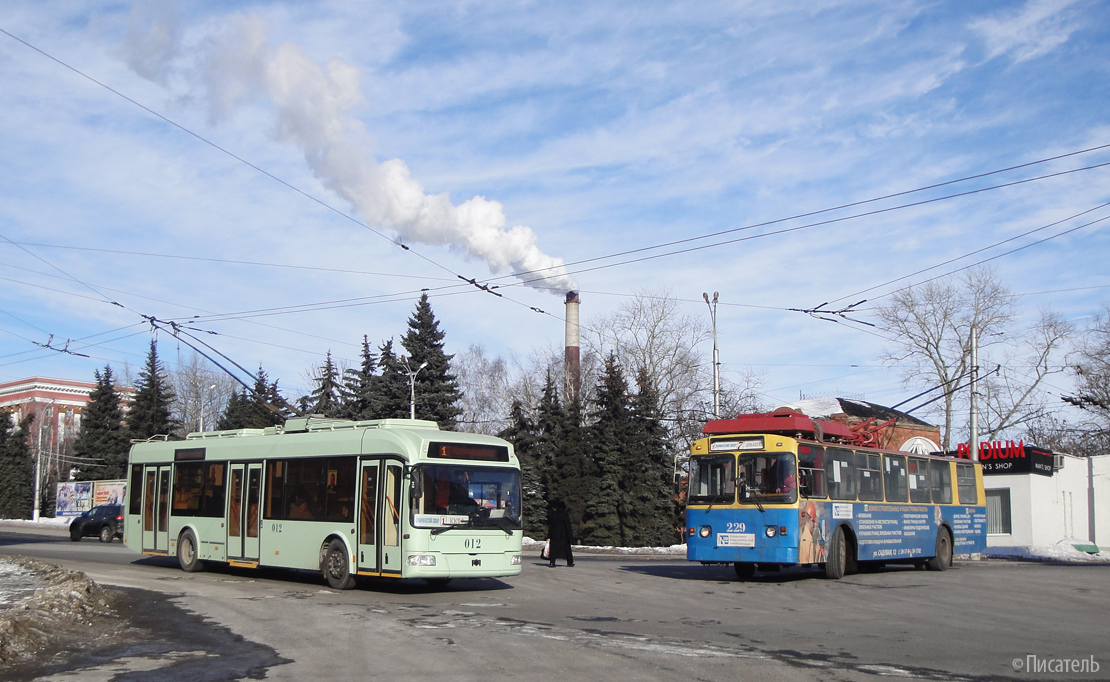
point(746, 493)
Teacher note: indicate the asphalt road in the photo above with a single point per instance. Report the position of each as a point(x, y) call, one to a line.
point(608, 617)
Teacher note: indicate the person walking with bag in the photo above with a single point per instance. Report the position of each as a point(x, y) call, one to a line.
point(559, 533)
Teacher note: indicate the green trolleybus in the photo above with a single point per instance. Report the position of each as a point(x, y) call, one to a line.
point(774, 490)
point(388, 498)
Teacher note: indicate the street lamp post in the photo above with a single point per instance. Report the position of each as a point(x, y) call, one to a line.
point(716, 356)
point(412, 385)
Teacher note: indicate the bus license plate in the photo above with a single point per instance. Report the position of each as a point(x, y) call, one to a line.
point(735, 539)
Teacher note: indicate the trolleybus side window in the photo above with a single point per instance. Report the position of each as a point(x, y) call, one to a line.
point(919, 480)
point(339, 500)
point(313, 489)
point(841, 467)
point(275, 490)
point(940, 481)
point(135, 490)
point(965, 481)
point(811, 471)
point(198, 489)
point(894, 477)
point(869, 468)
point(712, 480)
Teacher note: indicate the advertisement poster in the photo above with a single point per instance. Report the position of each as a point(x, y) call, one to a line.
point(74, 498)
point(109, 492)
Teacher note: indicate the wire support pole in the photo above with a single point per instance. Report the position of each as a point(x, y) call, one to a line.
point(716, 356)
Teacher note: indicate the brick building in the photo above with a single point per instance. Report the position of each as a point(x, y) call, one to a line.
point(57, 405)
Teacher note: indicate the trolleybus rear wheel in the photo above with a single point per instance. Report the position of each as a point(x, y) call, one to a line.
point(187, 553)
point(942, 558)
point(744, 570)
point(837, 560)
point(337, 567)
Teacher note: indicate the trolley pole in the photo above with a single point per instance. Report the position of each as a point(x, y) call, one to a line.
point(716, 356)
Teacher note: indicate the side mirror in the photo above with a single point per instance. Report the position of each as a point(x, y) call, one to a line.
point(416, 487)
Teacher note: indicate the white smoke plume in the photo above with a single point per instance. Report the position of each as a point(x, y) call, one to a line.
point(311, 104)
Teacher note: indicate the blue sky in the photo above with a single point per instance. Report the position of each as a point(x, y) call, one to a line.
point(497, 137)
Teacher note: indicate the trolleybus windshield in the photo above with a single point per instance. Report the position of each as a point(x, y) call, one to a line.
point(767, 478)
point(447, 495)
point(712, 480)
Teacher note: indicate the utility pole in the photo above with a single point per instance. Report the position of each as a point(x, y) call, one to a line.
point(716, 356)
point(974, 394)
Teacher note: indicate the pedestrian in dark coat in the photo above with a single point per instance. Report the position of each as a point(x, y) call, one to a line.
point(559, 532)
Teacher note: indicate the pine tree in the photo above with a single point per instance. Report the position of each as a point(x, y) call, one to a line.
point(103, 437)
point(358, 385)
point(390, 396)
point(150, 413)
point(567, 440)
point(16, 469)
point(326, 397)
point(608, 519)
point(254, 409)
point(522, 434)
point(437, 390)
point(650, 469)
point(234, 415)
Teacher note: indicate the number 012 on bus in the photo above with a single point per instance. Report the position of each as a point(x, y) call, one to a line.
point(773, 490)
point(391, 498)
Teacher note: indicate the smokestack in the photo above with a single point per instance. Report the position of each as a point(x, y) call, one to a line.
point(572, 364)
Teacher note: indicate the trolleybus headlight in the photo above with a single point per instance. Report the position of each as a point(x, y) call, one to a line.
point(422, 560)
point(770, 532)
point(516, 560)
point(704, 531)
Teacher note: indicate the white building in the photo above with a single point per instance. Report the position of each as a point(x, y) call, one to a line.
point(1036, 498)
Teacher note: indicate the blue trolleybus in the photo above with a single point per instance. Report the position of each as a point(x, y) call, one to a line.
point(389, 498)
point(774, 490)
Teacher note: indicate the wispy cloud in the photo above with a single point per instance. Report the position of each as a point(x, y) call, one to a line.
point(1034, 30)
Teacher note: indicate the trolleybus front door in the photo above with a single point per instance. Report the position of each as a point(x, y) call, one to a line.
point(390, 518)
point(379, 533)
point(368, 518)
point(156, 509)
point(242, 515)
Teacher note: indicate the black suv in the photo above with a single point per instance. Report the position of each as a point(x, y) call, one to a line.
point(103, 520)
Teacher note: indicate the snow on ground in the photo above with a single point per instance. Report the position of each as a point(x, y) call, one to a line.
point(528, 545)
point(1063, 551)
point(16, 583)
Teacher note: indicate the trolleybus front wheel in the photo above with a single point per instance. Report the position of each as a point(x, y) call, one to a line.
point(942, 557)
point(744, 570)
point(337, 566)
point(187, 553)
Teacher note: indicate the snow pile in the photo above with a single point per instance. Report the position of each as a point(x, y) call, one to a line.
point(67, 603)
point(1063, 551)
